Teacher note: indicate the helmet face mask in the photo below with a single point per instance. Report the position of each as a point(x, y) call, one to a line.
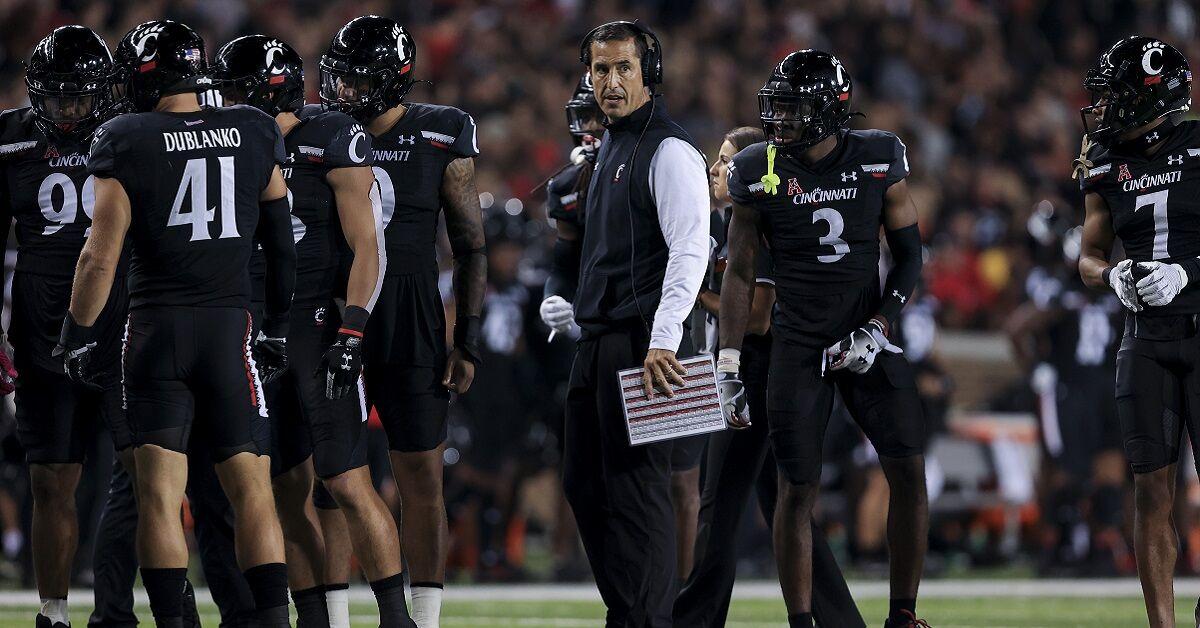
point(806, 99)
point(368, 68)
point(584, 116)
point(1134, 83)
point(69, 81)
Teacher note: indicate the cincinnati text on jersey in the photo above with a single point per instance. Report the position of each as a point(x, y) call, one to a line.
point(817, 195)
point(1152, 180)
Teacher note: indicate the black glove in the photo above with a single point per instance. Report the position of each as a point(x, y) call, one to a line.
point(270, 356)
point(342, 362)
point(75, 347)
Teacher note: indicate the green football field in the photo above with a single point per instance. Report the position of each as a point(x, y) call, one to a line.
point(990, 612)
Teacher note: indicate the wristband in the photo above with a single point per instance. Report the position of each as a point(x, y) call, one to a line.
point(729, 360)
point(881, 324)
point(467, 330)
point(276, 325)
point(73, 334)
point(354, 321)
point(1106, 275)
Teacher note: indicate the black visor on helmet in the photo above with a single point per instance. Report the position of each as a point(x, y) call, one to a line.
point(797, 120)
point(66, 109)
point(584, 118)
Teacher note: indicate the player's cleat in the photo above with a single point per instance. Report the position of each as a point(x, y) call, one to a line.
point(907, 620)
point(44, 622)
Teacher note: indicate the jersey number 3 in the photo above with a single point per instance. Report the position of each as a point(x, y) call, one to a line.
point(1159, 202)
point(834, 237)
point(195, 181)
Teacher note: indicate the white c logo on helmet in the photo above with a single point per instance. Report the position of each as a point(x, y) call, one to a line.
point(140, 46)
point(274, 48)
point(1153, 49)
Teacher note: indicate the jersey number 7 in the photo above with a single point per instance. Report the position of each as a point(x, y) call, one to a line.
point(195, 181)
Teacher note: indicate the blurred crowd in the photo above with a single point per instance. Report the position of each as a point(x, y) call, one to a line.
point(985, 93)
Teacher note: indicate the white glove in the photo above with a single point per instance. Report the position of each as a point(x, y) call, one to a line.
point(1164, 282)
point(557, 314)
point(1044, 379)
point(731, 390)
point(1120, 279)
point(586, 152)
point(857, 352)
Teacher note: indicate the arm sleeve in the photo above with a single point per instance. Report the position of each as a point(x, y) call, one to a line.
point(564, 270)
point(275, 234)
point(679, 186)
point(905, 244)
point(467, 142)
point(764, 269)
point(898, 170)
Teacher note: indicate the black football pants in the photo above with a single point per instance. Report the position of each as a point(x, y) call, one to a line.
point(737, 461)
point(620, 494)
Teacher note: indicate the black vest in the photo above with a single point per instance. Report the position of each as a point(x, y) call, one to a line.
point(624, 256)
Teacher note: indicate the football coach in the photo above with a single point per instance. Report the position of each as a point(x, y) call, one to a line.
point(644, 255)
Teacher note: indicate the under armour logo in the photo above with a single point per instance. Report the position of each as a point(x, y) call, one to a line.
point(1175, 160)
point(406, 139)
point(849, 176)
point(1153, 137)
point(345, 366)
point(896, 293)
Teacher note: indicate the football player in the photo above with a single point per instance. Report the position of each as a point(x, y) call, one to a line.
point(565, 193)
point(318, 411)
point(1137, 170)
point(820, 193)
point(1066, 336)
point(47, 189)
point(424, 165)
point(190, 188)
point(738, 461)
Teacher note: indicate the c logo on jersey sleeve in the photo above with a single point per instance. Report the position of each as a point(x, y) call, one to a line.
point(359, 136)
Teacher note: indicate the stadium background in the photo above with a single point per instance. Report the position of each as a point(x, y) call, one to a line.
point(986, 96)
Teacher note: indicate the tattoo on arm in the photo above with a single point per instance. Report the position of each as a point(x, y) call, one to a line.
point(737, 285)
point(464, 227)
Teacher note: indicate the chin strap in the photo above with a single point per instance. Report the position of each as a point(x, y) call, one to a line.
point(770, 180)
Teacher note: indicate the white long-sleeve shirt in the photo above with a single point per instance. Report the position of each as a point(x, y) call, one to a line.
point(679, 186)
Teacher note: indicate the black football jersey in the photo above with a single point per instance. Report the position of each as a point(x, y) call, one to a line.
point(322, 141)
point(410, 159)
point(48, 191)
point(194, 181)
point(822, 223)
point(1154, 203)
point(562, 198)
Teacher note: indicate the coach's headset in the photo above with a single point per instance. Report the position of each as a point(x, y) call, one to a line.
point(652, 77)
point(652, 68)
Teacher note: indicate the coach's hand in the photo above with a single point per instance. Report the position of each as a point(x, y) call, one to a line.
point(1120, 279)
point(857, 352)
point(1162, 283)
point(270, 356)
point(460, 372)
point(75, 347)
point(660, 369)
point(558, 314)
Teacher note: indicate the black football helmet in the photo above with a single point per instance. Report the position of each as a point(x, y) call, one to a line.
point(583, 112)
point(260, 71)
point(368, 67)
point(159, 58)
point(1139, 80)
point(806, 100)
point(69, 77)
